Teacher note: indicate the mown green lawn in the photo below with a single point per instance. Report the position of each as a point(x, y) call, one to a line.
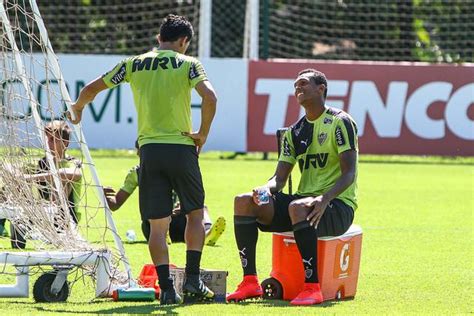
point(417, 254)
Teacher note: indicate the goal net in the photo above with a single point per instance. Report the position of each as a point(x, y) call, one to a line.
point(50, 197)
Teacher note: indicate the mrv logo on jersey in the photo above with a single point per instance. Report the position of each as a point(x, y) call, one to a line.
point(314, 160)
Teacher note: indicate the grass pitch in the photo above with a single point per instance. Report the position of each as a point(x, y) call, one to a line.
point(417, 255)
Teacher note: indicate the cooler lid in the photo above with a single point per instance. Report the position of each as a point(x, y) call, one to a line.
point(354, 230)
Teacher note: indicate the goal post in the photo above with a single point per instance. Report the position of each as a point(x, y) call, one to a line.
point(54, 204)
point(53, 62)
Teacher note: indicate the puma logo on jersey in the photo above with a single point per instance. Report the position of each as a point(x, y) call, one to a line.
point(305, 142)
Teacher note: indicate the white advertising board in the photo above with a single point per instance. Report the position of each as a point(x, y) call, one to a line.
point(110, 121)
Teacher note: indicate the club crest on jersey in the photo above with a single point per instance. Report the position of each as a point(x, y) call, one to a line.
point(340, 137)
point(327, 120)
point(120, 75)
point(322, 138)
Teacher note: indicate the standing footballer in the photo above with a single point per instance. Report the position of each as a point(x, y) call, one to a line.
point(324, 145)
point(161, 82)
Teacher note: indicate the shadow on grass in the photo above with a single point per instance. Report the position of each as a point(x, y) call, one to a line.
point(134, 309)
point(151, 308)
point(279, 303)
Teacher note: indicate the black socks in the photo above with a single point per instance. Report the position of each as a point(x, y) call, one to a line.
point(306, 239)
point(246, 235)
point(164, 279)
point(193, 262)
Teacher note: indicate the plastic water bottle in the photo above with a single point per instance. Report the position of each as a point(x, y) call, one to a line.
point(134, 294)
point(263, 195)
point(131, 236)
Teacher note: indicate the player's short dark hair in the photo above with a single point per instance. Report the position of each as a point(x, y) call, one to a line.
point(317, 76)
point(58, 129)
point(174, 27)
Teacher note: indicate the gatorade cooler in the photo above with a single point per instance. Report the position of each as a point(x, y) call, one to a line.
point(338, 266)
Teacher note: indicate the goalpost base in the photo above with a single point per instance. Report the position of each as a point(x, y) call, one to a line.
point(23, 260)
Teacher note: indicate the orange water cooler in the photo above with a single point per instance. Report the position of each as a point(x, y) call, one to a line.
point(338, 266)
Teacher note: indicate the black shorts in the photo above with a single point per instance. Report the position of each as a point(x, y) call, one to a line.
point(164, 168)
point(177, 228)
point(336, 220)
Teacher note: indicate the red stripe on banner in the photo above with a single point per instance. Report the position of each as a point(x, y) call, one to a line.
point(400, 108)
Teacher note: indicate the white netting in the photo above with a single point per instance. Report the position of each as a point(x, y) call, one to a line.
point(48, 196)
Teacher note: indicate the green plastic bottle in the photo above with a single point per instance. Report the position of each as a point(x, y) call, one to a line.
point(134, 294)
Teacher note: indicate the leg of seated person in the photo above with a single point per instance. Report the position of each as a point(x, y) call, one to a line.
point(305, 237)
point(146, 229)
point(336, 220)
point(246, 215)
point(206, 219)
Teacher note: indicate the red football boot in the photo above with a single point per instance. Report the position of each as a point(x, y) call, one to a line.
point(310, 295)
point(248, 288)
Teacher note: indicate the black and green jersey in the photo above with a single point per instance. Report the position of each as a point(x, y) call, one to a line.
point(316, 146)
point(161, 83)
point(76, 186)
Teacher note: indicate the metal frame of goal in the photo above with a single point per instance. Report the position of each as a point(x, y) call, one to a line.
point(52, 286)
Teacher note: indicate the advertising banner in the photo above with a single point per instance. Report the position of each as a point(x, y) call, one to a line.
point(411, 109)
point(111, 122)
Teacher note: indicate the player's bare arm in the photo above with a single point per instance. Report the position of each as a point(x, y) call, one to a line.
point(208, 110)
point(115, 199)
point(86, 96)
point(65, 174)
point(347, 162)
point(277, 182)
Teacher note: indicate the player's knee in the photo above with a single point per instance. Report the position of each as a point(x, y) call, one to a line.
point(195, 217)
point(159, 227)
point(297, 211)
point(243, 205)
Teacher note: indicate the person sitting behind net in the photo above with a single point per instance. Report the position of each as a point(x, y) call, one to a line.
point(178, 220)
point(68, 169)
